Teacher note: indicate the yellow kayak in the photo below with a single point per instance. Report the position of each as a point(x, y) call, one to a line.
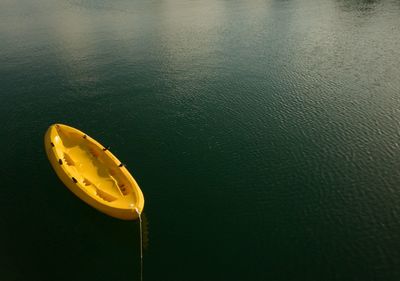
point(93, 173)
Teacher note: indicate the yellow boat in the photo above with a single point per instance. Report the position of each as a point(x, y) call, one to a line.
point(93, 173)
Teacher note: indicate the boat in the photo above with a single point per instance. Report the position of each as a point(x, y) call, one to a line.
point(93, 173)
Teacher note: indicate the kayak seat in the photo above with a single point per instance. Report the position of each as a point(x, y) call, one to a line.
point(68, 160)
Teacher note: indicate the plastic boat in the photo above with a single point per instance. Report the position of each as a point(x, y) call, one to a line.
point(93, 173)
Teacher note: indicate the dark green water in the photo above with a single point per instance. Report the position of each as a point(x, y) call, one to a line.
point(264, 135)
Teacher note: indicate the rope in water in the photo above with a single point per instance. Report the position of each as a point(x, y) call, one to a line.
point(141, 244)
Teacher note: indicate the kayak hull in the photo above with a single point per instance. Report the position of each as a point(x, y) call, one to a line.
point(93, 173)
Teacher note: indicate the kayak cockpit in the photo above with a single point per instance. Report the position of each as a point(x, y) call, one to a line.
point(92, 167)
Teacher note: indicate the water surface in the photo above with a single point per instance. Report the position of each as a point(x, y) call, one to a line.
point(264, 135)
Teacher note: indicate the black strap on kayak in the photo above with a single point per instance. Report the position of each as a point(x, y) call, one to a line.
point(121, 165)
point(60, 161)
point(74, 180)
point(52, 144)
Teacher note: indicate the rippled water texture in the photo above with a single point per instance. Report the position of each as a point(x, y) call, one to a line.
point(264, 135)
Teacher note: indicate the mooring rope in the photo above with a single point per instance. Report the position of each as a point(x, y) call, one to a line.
point(141, 244)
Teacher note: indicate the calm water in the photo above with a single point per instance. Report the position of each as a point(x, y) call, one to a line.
point(264, 135)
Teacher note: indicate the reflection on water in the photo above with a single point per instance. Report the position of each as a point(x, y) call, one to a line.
point(145, 231)
point(364, 7)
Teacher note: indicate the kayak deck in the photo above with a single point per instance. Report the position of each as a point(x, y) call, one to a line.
point(88, 165)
